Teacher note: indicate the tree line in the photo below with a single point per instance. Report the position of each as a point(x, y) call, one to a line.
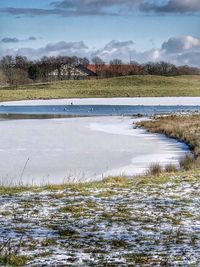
point(19, 70)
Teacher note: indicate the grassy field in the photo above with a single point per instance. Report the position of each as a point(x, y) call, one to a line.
point(132, 86)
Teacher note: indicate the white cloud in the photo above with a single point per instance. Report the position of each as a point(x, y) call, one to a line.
point(115, 49)
point(181, 44)
point(52, 49)
point(177, 50)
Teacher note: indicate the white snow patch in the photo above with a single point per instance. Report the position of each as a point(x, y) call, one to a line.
point(146, 101)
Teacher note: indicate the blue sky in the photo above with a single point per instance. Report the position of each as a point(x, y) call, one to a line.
point(107, 28)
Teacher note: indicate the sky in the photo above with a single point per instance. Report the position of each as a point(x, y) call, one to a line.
point(138, 30)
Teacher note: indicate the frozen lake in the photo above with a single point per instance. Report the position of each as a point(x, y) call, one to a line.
point(79, 149)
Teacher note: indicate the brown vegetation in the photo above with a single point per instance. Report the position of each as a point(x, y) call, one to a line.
point(155, 169)
point(2, 79)
point(184, 128)
point(171, 168)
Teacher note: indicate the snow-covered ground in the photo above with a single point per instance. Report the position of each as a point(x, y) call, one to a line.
point(79, 149)
point(155, 224)
point(148, 101)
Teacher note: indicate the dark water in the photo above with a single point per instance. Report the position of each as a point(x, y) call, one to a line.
point(92, 110)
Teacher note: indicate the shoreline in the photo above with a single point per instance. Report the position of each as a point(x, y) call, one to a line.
point(132, 101)
point(65, 147)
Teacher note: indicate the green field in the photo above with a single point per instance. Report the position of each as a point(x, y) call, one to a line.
point(131, 86)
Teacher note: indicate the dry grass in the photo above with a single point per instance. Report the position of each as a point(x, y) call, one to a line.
point(171, 168)
point(187, 163)
point(183, 128)
point(155, 169)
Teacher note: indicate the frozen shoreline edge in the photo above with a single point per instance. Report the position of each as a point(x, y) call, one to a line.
point(131, 167)
point(132, 101)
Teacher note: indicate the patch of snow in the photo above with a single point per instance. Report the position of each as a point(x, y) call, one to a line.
point(146, 101)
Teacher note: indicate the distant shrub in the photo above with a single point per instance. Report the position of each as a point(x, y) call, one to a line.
point(187, 163)
point(155, 169)
point(171, 168)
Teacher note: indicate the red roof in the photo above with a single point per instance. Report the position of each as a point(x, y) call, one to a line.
point(125, 68)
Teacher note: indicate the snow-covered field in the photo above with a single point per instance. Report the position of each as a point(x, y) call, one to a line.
point(79, 149)
point(154, 224)
point(147, 101)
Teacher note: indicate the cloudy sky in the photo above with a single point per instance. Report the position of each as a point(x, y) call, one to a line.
point(141, 30)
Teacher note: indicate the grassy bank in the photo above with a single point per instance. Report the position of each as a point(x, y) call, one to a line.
point(183, 128)
point(132, 86)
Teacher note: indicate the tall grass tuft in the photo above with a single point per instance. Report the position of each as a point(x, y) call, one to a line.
point(171, 168)
point(187, 163)
point(155, 169)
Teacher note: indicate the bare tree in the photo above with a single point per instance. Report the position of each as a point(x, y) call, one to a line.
point(20, 76)
point(21, 63)
point(3, 80)
point(7, 65)
point(99, 65)
point(116, 66)
point(84, 61)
